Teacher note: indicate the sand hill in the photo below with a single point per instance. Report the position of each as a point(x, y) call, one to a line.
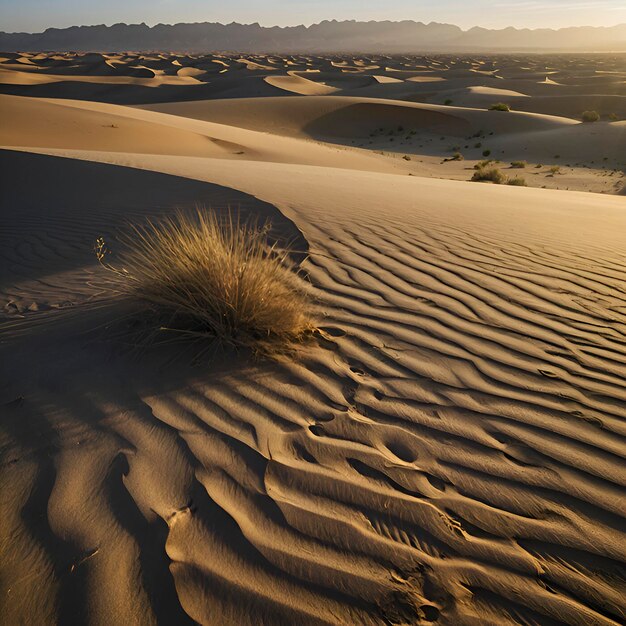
point(448, 448)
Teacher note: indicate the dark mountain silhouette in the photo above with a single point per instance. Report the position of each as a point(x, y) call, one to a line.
point(328, 36)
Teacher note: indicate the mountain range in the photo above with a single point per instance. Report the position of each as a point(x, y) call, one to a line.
point(325, 37)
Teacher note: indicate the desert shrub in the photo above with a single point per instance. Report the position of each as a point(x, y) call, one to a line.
point(518, 181)
point(457, 156)
point(518, 164)
point(492, 174)
point(486, 153)
point(482, 164)
point(499, 106)
point(590, 116)
point(211, 278)
point(406, 157)
point(613, 117)
point(447, 101)
point(555, 169)
point(478, 145)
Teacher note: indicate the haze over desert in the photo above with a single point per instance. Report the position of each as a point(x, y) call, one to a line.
point(313, 335)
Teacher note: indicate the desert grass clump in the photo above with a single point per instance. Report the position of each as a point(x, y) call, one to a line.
point(492, 174)
point(213, 279)
point(517, 181)
point(590, 116)
point(499, 106)
point(518, 164)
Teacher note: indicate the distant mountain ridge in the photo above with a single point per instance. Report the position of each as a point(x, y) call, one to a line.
point(325, 37)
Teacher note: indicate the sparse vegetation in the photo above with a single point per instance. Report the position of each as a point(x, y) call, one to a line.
point(555, 169)
point(518, 181)
point(518, 164)
point(499, 106)
point(482, 164)
point(486, 153)
point(447, 101)
point(613, 117)
point(209, 278)
point(457, 156)
point(492, 174)
point(590, 116)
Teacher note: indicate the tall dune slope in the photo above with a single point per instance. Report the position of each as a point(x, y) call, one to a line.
point(451, 451)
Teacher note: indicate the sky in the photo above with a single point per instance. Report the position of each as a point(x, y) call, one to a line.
point(37, 15)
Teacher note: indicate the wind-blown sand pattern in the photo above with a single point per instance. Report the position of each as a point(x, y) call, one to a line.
point(449, 448)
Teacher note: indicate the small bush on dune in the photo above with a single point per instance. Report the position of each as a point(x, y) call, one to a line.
point(555, 169)
point(613, 117)
point(499, 106)
point(518, 181)
point(482, 164)
point(208, 278)
point(457, 156)
point(590, 116)
point(447, 101)
point(492, 174)
point(518, 164)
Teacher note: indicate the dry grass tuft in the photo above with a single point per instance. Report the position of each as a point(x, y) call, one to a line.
point(493, 175)
point(211, 278)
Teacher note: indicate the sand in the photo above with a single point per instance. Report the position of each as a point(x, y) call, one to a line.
point(449, 448)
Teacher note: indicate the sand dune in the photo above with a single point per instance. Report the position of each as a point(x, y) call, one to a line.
point(330, 116)
point(300, 85)
point(448, 448)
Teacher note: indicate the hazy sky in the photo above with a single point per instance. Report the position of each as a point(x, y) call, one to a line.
point(36, 15)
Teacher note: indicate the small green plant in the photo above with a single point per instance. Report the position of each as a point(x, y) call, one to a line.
point(590, 116)
point(486, 153)
point(493, 175)
point(518, 164)
point(518, 181)
point(499, 106)
point(447, 102)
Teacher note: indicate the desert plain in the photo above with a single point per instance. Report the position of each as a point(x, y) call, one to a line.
point(448, 447)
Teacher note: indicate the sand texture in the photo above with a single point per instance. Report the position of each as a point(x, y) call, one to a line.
point(448, 448)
